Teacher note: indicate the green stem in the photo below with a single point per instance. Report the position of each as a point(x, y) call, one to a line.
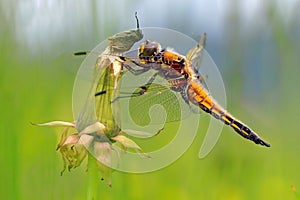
point(93, 179)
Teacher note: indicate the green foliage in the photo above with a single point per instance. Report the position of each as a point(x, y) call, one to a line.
point(36, 87)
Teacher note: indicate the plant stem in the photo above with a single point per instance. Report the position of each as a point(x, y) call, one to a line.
point(93, 179)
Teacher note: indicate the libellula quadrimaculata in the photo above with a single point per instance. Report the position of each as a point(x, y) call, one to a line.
point(182, 78)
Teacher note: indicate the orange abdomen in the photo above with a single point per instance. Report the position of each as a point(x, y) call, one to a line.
point(199, 96)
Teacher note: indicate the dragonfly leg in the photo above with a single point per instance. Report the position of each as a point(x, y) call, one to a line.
point(142, 89)
point(136, 71)
point(145, 87)
point(150, 81)
point(128, 63)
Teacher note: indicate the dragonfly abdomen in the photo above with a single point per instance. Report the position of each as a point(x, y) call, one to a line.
point(243, 129)
point(199, 96)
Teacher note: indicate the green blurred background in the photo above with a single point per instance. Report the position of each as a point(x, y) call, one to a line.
point(254, 43)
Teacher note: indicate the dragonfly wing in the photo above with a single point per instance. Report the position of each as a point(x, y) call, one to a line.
point(138, 97)
point(195, 54)
point(171, 104)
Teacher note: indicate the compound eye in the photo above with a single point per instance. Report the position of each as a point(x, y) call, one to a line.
point(150, 51)
point(151, 48)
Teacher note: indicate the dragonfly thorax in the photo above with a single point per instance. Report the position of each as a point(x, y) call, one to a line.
point(168, 60)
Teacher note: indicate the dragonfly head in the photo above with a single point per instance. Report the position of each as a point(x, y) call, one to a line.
point(149, 49)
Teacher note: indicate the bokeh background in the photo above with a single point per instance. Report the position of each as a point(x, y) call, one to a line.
point(254, 43)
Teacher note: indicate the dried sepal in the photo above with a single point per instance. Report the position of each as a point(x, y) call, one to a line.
point(97, 127)
point(63, 138)
point(142, 134)
point(55, 123)
point(72, 151)
point(126, 143)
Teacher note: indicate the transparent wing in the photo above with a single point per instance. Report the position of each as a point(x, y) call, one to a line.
point(146, 104)
point(195, 55)
point(199, 57)
point(163, 101)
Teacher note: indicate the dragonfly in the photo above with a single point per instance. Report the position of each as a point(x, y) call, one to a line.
point(182, 77)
